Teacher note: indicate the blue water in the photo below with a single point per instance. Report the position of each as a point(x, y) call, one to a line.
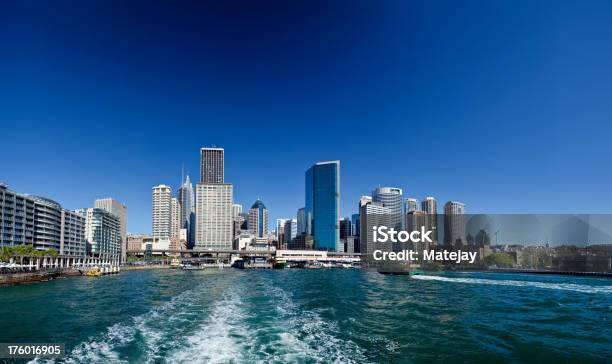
point(310, 316)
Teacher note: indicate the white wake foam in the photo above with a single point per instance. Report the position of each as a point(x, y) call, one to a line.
point(545, 285)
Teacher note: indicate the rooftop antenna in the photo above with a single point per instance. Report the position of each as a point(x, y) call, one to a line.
point(182, 173)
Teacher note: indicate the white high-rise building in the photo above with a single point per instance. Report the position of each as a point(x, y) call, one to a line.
point(175, 221)
point(120, 210)
point(373, 214)
point(162, 212)
point(236, 210)
point(214, 220)
point(102, 232)
point(391, 198)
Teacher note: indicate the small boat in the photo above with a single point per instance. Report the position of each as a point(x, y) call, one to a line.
point(175, 263)
point(94, 272)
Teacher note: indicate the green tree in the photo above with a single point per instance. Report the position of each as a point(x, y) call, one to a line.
point(499, 259)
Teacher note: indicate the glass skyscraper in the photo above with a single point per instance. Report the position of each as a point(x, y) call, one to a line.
point(322, 210)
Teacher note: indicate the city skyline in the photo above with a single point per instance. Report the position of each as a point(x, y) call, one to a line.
point(97, 104)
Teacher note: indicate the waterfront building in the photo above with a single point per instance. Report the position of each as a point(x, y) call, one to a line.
point(289, 231)
point(301, 242)
point(135, 242)
point(214, 223)
point(391, 198)
point(162, 212)
point(16, 218)
point(243, 240)
point(373, 214)
point(301, 221)
point(454, 223)
point(258, 219)
point(175, 218)
point(120, 210)
point(430, 207)
point(41, 222)
point(72, 238)
point(322, 207)
point(102, 232)
point(212, 165)
point(186, 199)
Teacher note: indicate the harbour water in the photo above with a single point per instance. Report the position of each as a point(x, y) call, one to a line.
point(310, 316)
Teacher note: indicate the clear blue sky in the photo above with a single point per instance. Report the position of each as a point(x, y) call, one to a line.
point(504, 105)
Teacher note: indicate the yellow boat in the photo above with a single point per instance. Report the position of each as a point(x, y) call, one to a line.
point(95, 272)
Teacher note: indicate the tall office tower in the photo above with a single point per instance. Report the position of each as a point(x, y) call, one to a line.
point(454, 223)
point(322, 210)
point(301, 221)
point(391, 198)
point(237, 219)
point(214, 223)
point(102, 232)
point(346, 229)
point(290, 231)
point(415, 220)
point(185, 197)
point(236, 210)
point(72, 238)
point(162, 212)
point(355, 225)
point(175, 218)
point(211, 165)
point(411, 204)
point(258, 220)
point(373, 214)
point(120, 210)
point(280, 231)
point(430, 207)
point(364, 200)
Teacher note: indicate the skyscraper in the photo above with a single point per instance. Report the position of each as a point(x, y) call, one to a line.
point(258, 219)
point(175, 220)
point(454, 223)
point(411, 204)
point(430, 207)
point(186, 199)
point(212, 165)
point(290, 231)
point(346, 229)
point(322, 210)
point(280, 231)
point(214, 223)
point(301, 221)
point(120, 210)
point(162, 212)
point(372, 214)
point(391, 198)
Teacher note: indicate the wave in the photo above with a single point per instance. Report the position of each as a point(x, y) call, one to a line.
point(148, 329)
point(306, 335)
point(558, 286)
point(219, 339)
